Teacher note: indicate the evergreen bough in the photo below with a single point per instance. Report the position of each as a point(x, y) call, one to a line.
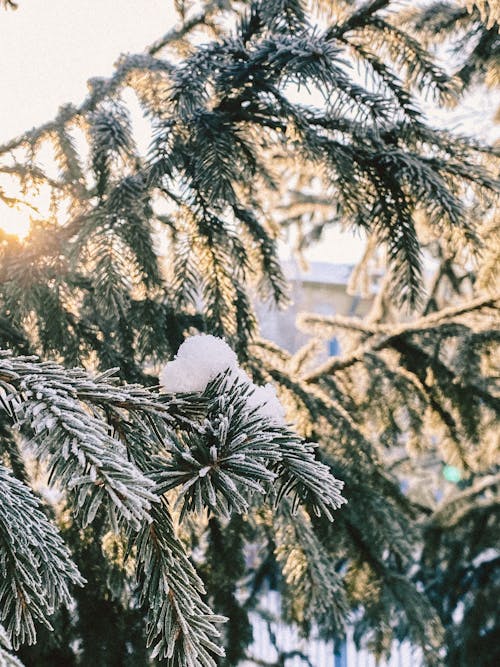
point(122, 448)
point(232, 157)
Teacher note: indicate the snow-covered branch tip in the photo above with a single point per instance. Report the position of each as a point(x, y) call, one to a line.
point(248, 446)
point(122, 447)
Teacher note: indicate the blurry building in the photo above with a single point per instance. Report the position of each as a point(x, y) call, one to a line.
point(320, 289)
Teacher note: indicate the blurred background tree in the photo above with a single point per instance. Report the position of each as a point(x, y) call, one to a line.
point(301, 116)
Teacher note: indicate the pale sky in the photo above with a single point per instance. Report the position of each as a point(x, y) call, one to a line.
point(49, 48)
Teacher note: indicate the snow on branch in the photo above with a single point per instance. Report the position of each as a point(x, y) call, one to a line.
point(217, 438)
point(36, 569)
point(201, 359)
point(247, 446)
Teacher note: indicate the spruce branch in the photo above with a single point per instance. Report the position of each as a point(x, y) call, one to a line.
point(181, 627)
point(123, 442)
point(314, 587)
point(35, 566)
point(75, 444)
point(388, 335)
point(238, 454)
point(177, 33)
point(359, 18)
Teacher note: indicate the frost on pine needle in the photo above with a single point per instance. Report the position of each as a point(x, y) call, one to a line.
point(36, 570)
point(121, 448)
point(201, 359)
point(243, 446)
point(6, 658)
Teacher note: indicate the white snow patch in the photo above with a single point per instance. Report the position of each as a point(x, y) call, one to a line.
point(485, 556)
point(201, 358)
point(266, 399)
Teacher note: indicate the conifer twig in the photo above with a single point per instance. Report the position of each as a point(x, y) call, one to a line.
point(390, 334)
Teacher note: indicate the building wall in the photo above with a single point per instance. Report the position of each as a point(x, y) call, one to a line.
point(310, 294)
point(298, 651)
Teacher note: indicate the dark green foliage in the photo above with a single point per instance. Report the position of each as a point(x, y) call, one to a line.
point(460, 561)
point(223, 570)
point(426, 394)
point(175, 495)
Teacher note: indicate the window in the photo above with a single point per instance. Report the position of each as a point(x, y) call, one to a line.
point(333, 348)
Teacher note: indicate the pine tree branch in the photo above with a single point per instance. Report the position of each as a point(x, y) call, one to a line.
point(358, 19)
point(177, 33)
point(389, 335)
point(453, 510)
point(80, 453)
point(36, 569)
point(181, 627)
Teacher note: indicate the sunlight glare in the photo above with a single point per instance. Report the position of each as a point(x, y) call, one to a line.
point(15, 220)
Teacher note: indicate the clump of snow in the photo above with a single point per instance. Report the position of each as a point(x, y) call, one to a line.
point(201, 358)
point(266, 399)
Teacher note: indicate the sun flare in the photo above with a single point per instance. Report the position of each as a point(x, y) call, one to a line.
point(15, 220)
